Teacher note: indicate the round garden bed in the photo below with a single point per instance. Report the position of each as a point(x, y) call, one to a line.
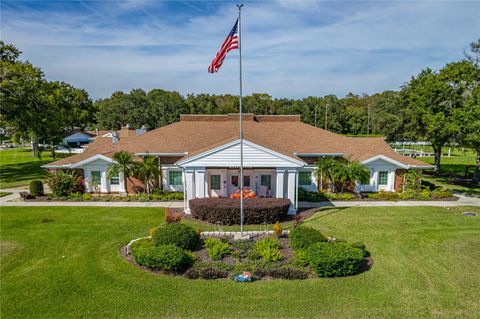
point(177, 249)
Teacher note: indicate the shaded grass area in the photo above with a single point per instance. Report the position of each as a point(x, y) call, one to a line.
point(18, 167)
point(4, 194)
point(65, 262)
point(446, 182)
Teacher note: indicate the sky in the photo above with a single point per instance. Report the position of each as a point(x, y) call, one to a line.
point(290, 49)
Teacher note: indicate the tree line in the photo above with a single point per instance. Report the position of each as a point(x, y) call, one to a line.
point(438, 106)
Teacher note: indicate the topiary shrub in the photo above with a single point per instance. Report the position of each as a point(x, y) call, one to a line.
point(302, 237)
point(335, 259)
point(227, 210)
point(36, 188)
point(166, 257)
point(177, 234)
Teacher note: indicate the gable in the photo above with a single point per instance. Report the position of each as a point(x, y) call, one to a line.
point(228, 155)
point(383, 161)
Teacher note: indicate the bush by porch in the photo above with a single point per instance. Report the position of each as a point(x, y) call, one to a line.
point(227, 210)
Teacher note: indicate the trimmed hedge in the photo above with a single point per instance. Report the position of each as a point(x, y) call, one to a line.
point(227, 210)
point(335, 259)
point(36, 188)
point(177, 234)
point(167, 257)
point(302, 237)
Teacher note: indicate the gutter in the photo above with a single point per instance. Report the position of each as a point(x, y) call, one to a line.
point(319, 154)
point(162, 154)
point(56, 166)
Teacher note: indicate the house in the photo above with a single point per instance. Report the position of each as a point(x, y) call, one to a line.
point(200, 155)
point(84, 137)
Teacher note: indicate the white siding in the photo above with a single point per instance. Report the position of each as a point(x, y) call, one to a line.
point(105, 186)
point(253, 156)
point(375, 167)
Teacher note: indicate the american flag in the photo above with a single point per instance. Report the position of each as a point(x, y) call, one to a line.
point(230, 43)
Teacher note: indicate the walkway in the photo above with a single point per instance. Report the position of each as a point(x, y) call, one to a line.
point(12, 200)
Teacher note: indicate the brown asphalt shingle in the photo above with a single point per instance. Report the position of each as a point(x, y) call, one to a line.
point(195, 134)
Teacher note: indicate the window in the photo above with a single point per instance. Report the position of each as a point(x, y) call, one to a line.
point(266, 180)
point(305, 178)
point(175, 178)
point(382, 178)
point(246, 181)
point(115, 180)
point(96, 177)
point(235, 181)
point(215, 182)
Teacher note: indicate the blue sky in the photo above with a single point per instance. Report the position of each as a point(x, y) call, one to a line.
point(291, 49)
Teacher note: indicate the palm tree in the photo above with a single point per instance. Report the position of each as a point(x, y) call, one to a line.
point(357, 172)
point(339, 169)
point(326, 170)
point(124, 164)
point(149, 172)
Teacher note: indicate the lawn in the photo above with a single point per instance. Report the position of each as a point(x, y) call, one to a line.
point(4, 194)
point(65, 262)
point(18, 167)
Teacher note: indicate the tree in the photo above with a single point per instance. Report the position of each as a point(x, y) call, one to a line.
point(9, 53)
point(474, 54)
point(149, 171)
point(124, 164)
point(37, 109)
point(429, 111)
point(469, 123)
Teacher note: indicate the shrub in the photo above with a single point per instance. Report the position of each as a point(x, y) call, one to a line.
point(65, 183)
point(289, 272)
point(158, 194)
point(361, 246)
point(227, 210)
point(166, 257)
point(268, 248)
point(277, 229)
point(441, 192)
point(36, 188)
point(217, 248)
point(86, 196)
point(302, 237)
point(177, 234)
point(340, 196)
point(172, 217)
point(335, 259)
point(208, 270)
point(301, 258)
point(143, 197)
point(382, 195)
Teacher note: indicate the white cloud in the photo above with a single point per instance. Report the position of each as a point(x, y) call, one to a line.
point(290, 50)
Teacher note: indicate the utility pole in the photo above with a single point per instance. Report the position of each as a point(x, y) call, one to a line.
point(368, 120)
point(326, 116)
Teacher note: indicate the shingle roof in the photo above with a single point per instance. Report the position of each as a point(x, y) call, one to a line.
point(285, 134)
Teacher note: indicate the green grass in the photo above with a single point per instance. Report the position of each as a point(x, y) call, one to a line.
point(4, 194)
point(455, 164)
point(446, 183)
point(425, 265)
point(18, 167)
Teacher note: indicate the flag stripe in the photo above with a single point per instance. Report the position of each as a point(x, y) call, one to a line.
point(230, 43)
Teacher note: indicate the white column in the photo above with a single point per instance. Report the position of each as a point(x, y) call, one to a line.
point(391, 176)
point(200, 183)
point(279, 184)
point(292, 190)
point(103, 182)
point(189, 188)
point(121, 185)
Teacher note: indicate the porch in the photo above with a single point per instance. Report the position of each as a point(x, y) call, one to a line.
point(223, 182)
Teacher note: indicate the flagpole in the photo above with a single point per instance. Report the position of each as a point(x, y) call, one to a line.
point(241, 119)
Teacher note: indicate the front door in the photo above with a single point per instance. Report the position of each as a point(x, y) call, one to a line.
point(234, 182)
